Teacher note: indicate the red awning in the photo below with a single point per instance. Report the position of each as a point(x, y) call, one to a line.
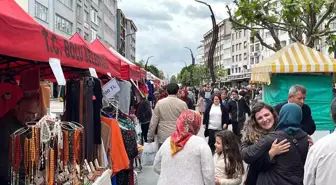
point(102, 48)
point(143, 74)
point(125, 71)
point(135, 72)
point(22, 37)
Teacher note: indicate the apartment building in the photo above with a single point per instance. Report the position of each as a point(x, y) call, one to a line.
point(222, 55)
point(240, 68)
point(121, 32)
point(200, 54)
point(130, 39)
point(90, 18)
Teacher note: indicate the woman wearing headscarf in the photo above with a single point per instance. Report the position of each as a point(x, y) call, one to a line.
point(185, 158)
point(287, 168)
point(184, 96)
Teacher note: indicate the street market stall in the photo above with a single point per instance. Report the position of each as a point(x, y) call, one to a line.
point(298, 64)
point(70, 150)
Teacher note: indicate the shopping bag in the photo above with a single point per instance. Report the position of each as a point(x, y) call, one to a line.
point(148, 153)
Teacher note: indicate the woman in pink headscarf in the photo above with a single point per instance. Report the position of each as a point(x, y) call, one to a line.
point(185, 158)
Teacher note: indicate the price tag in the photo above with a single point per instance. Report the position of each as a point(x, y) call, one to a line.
point(109, 74)
point(55, 65)
point(110, 89)
point(93, 72)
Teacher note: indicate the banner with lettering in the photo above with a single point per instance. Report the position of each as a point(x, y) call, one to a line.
point(23, 37)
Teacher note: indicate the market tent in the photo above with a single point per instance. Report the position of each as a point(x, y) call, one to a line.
point(124, 67)
point(115, 63)
point(134, 70)
point(294, 58)
point(22, 37)
point(143, 74)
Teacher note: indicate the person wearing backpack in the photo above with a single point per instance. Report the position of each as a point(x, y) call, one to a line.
point(144, 115)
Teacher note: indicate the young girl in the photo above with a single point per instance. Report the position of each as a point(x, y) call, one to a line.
point(229, 167)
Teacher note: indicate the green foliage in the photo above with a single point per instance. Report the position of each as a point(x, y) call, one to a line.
point(200, 74)
point(151, 68)
point(173, 79)
point(141, 63)
point(305, 21)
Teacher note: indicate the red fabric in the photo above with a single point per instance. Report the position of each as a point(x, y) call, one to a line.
point(10, 95)
point(143, 74)
point(187, 125)
point(135, 72)
point(30, 80)
point(41, 44)
point(125, 71)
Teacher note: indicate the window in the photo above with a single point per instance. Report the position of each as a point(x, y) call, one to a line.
point(240, 34)
point(232, 36)
point(78, 30)
point(233, 59)
point(99, 21)
point(240, 57)
point(251, 48)
point(257, 60)
point(283, 43)
point(251, 60)
point(41, 12)
point(86, 16)
point(232, 48)
point(63, 24)
point(236, 47)
point(93, 34)
point(245, 56)
point(86, 36)
point(79, 13)
point(257, 47)
point(236, 58)
point(240, 45)
point(245, 44)
point(67, 3)
point(94, 16)
point(237, 35)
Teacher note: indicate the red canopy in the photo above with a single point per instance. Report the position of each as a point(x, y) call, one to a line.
point(143, 74)
point(102, 48)
point(115, 63)
point(133, 71)
point(22, 37)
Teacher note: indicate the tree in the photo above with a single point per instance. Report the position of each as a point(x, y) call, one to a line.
point(151, 68)
point(305, 21)
point(173, 79)
point(200, 74)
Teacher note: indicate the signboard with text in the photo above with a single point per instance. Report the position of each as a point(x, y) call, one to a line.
point(110, 89)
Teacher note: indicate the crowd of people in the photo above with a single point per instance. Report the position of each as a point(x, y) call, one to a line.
point(275, 141)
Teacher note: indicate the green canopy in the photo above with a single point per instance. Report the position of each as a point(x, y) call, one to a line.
point(319, 95)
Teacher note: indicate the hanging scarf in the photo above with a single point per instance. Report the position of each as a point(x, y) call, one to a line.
point(290, 118)
point(187, 125)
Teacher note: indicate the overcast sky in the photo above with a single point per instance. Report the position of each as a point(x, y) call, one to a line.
point(165, 27)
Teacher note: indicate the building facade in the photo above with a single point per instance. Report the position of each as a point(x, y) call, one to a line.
point(222, 55)
point(130, 39)
point(121, 32)
point(240, 67)
point(90, 18)
point(200, 54)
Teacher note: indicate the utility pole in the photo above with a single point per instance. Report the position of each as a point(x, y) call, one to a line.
point(214, 40)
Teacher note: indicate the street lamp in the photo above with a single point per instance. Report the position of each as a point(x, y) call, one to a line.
point(147, 62)
point(192, 65)
point(214, 40)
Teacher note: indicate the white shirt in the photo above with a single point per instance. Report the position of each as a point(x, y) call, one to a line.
point(193, 165)
point(215, 117)
point(320, 167)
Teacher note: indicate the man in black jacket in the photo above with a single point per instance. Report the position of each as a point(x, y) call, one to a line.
point(297, 94)
point(238, 109)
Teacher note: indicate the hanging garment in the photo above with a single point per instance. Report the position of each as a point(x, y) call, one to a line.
point(44, 99)
point(97, 105)
point(117, 149)
point(124, 96)
point(126, 177)
point(150, 91)
point(89, 125)
point(10, 94)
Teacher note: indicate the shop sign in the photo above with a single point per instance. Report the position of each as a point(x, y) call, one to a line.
point(64, 48)
point(55, 65)
point(110, 89)
point(93, 72)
